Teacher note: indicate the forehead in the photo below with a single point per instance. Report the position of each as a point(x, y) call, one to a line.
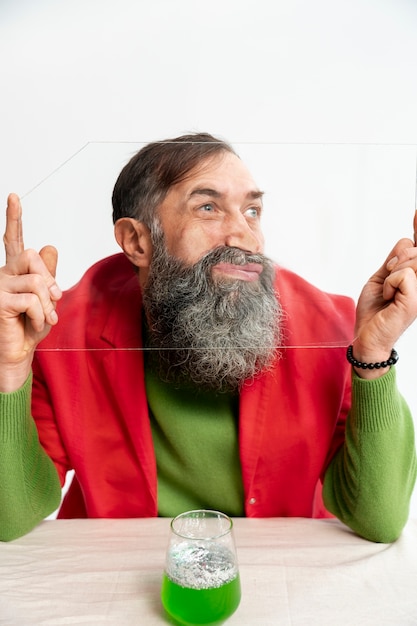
point(224, 172)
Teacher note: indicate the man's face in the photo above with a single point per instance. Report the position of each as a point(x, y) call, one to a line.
point(212, 313)
point(211, 309)
point(218, 204)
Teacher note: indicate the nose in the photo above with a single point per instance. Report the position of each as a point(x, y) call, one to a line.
point(240, 234)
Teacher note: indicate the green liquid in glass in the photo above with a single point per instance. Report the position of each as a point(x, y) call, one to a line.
point(200, 606)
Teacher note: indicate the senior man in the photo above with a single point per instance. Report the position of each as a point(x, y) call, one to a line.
point(193, 372)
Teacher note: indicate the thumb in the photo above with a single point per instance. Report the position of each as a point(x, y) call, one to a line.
point(415, 228)
point(49, 256)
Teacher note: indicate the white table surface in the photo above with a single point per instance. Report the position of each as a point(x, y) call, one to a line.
point(295, 572)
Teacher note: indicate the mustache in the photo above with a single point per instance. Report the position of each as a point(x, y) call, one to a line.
point(237, 256)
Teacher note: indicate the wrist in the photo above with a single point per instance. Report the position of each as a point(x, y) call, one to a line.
point(370, 366)
point(13, 378)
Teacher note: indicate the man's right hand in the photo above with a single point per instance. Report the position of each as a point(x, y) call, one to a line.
point(28, 296)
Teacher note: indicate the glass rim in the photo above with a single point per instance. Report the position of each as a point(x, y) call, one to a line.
point(211, 513)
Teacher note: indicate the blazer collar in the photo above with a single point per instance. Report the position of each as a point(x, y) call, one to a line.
point(123, 325)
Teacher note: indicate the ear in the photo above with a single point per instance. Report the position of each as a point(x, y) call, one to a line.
point(135, 240)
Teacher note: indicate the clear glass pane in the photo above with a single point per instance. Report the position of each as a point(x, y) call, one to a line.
point(332, 211)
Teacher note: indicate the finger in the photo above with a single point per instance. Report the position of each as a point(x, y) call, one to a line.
point(399, 254)
point(13, 236)
point(35, 311)
point(403, 281)
point(29, 294)
point(31, 264)
point(49, 256)
point(415, 228)
point(407, 257)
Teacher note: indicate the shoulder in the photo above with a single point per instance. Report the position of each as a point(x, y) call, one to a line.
point(106, 297)
point(108, 274)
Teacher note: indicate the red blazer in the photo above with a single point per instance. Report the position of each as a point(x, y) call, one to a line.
point(89, 400)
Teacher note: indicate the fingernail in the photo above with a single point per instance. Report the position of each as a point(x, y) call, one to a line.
point(55, 291)
point(392, 263)
point(53, 317)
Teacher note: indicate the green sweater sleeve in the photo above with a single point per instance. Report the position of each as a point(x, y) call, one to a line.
point(29, 485)
point(369, 483)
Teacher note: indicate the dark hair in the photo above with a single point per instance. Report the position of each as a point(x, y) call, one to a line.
point(146, 179)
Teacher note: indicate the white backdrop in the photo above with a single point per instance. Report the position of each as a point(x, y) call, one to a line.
point(319, 98)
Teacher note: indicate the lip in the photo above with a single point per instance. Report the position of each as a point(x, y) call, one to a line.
point(248, 272)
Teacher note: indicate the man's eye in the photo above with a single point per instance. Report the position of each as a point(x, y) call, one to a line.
point(253, 211)
point(207, 208)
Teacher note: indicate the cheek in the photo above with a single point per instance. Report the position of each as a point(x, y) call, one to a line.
point(190, 244)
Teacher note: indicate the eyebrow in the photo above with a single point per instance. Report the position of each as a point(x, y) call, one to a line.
point(254, 194)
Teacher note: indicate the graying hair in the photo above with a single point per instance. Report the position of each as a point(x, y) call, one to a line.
point(215, 334)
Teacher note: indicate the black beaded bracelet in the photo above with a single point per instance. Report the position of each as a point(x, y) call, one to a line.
point(371, 366)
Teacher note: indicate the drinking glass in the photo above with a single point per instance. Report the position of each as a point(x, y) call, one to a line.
point(201, 583)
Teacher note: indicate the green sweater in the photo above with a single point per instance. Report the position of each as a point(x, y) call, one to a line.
point(373, 473)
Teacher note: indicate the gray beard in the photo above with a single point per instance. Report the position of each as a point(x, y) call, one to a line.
point(213, 334)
